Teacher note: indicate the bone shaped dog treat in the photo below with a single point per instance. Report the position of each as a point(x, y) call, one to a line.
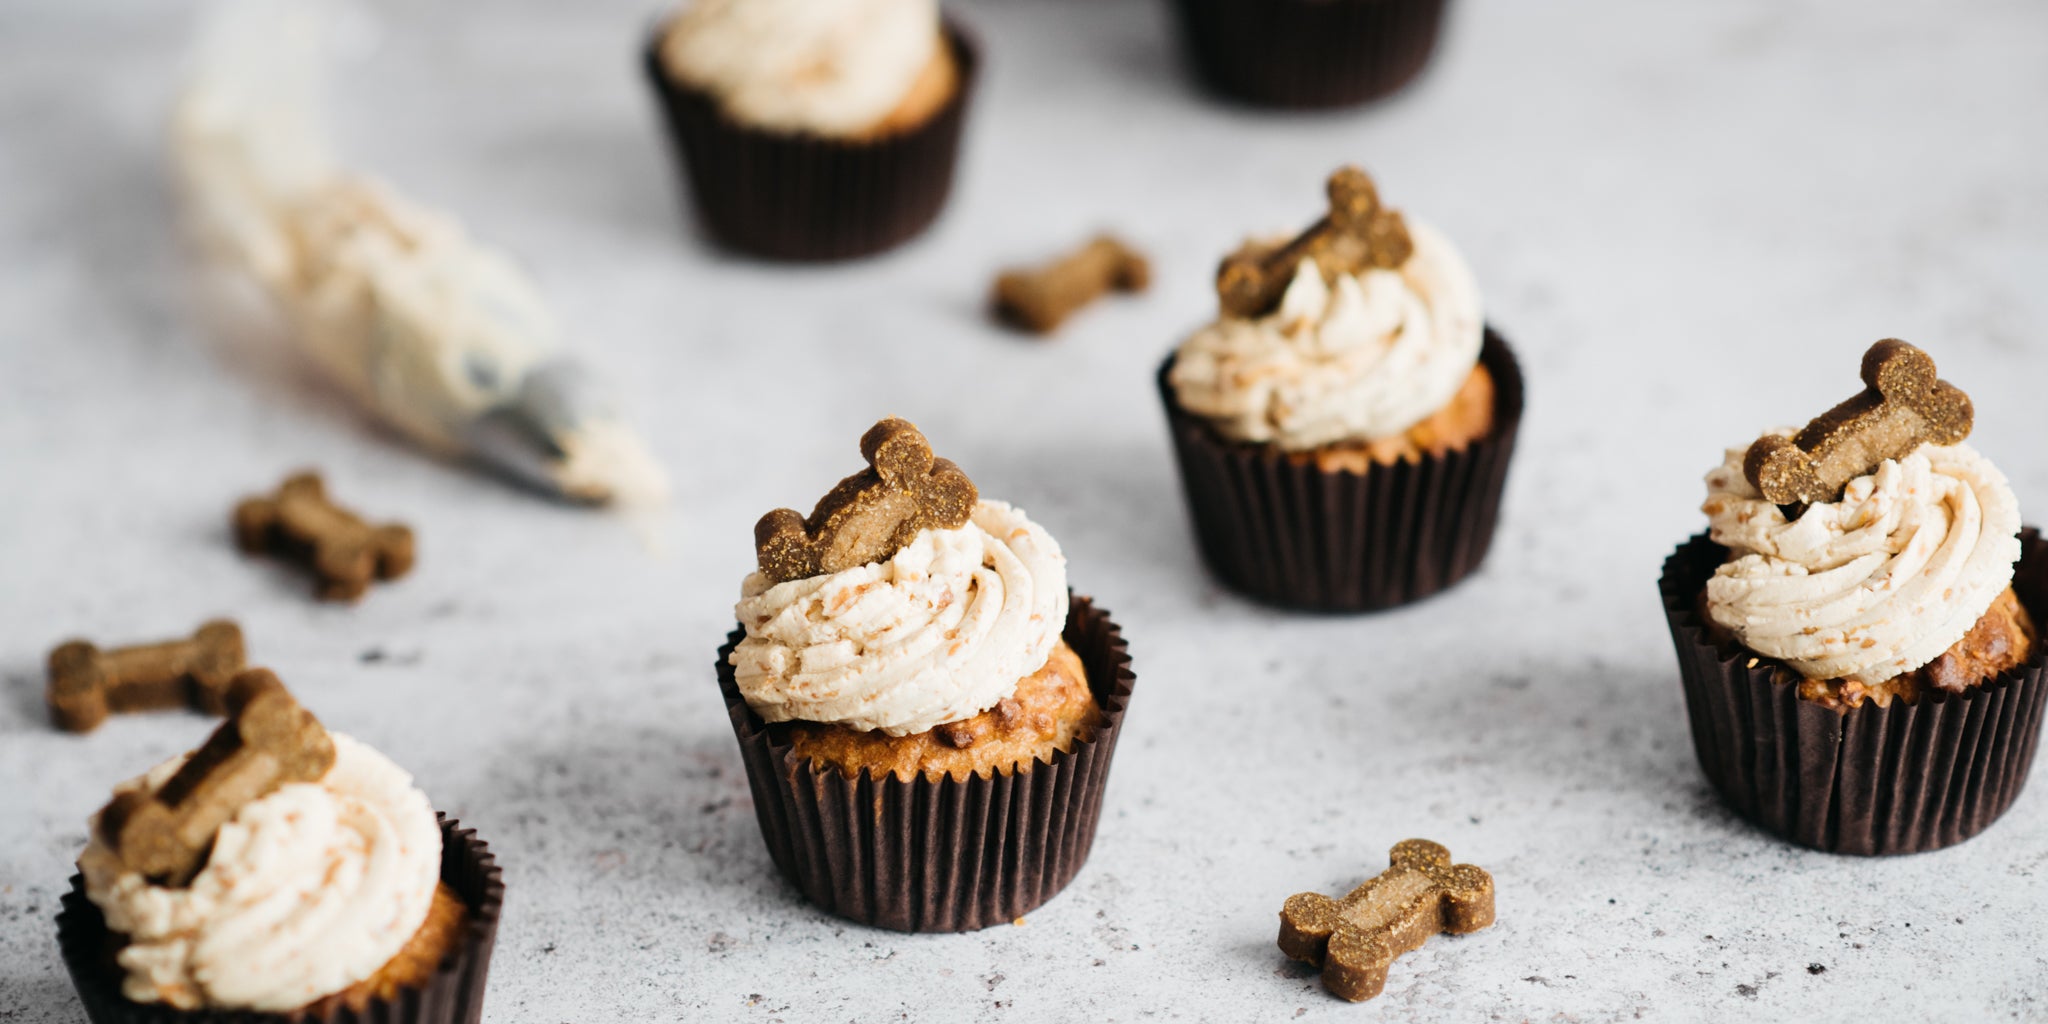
point(87, 683)
point(870, 515)
point(301, 522)
point(1039, 299)
point(1356, 938)
point(1356, 234)
point(1903, 406)
point(268, 740)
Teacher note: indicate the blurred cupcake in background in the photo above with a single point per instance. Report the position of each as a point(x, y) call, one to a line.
point(1308, 53)
point(1344, 425)
point(814, 129)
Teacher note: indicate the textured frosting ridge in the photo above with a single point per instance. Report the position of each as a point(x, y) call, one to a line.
point(832, 67)
point(1878, 583)
point(308, 891)
point(1360, 361)
point(941, 631)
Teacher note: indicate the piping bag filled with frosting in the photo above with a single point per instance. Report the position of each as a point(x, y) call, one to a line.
point(437, 336)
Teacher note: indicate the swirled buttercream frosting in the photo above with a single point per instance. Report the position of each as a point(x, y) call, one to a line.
point(1877, 583)
point(830, 67)
point(940, 631)
point(1362, 359)
point(308, 890)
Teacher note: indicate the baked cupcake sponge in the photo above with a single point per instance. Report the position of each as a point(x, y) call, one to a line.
point(1050, 711)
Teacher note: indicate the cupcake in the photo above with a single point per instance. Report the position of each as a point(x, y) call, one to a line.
point(926, 715)
point(1857, 630)
point(814, 129)
point(1308, 53)
point(279, 872)
point(1343, 427)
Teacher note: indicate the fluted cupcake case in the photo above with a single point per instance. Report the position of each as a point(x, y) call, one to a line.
point(793, 196)
point(1309, 53)
point(454, 995)
point(1869, 780)
point(1283, 530)
point(945, 854)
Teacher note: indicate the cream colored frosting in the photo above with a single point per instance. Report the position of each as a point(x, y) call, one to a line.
point(1878, 583)
point(308, 891)
point(1362, 360)
point(941, 631)
point(830, 67)
point(438, 335)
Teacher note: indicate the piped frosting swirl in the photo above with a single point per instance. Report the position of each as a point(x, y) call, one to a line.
point(1362, 359)
point(307, 891)
point(1877, 583)
point(940, 631)
point(830, 67)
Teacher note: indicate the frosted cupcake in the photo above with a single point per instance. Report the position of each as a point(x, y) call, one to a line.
point(1309, 53)
point(814, 129)
point(1344, 426)
point(927, 716)
point(1857, 630)
point(217, 885)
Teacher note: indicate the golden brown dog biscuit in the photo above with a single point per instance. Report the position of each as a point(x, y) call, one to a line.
point(1039, 299)
point(302, 523)
point(1358, 233)
point(267, 741)
point(1903, 406)
point(87, 683)
point(870, 515)
point(1356, 938)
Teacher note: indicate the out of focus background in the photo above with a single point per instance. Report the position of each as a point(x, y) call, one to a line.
point(1690, 220)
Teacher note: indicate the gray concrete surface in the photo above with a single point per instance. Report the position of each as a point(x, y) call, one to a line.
point(1690, 219)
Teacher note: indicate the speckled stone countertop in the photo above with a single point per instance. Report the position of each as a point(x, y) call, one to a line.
point(1689, 222)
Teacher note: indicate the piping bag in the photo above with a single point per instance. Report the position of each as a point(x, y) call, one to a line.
point(440, 338)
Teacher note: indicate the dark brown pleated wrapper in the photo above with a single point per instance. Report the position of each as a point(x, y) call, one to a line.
point(454, 995)
point(1871, 780)
point(1309, 53)
point(791, 196)
point(1289, 533)
point(937, 855)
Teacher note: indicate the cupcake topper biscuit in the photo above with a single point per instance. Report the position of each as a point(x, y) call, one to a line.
point(343, 550)
point(1356, 938)
point(1039, 299)
point(267, 741)
point(1357, 233)
point(870, 515)
point(1904, 406)
point(87, 683)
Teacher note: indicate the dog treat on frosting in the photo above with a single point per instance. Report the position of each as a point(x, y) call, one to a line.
point(1903, 406)
point(86, 683)
point(1356, 938)
point(1039, 299)
point(302, 523)
point(1358, 233)
point(870, 515)
point(267, 741)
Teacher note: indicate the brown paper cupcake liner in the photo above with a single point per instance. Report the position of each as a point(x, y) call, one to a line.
point(792, 196)
point(1289, 533)
point(1309, 53)
point(944, 855)
point(1871, 780)
point(454, 995)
